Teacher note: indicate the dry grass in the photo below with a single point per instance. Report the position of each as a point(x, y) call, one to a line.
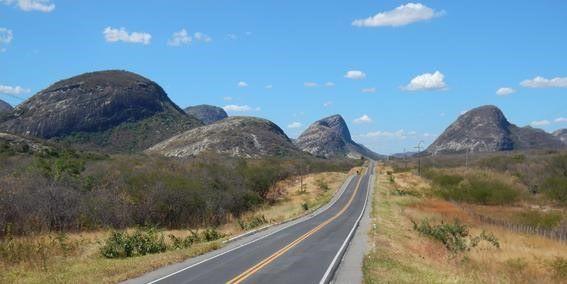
point(401, 255)
point(79, 260)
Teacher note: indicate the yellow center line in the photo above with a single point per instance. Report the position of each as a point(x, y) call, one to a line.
point(246, 274)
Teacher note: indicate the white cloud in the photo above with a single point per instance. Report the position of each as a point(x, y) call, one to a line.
point(355, 75)
point(327, 104)
point(329, 84)
point(242, 84)
point(310, 84)
point(560, 119)
point(427, 81)
point(269, 86)
point(240, 108)
point(401, 16)
point(115, 35)
point(363, 119)
point(369, 90)
point(44, 6)
point(13, 90)
point(6, 37)
point(541, 82)
point(180, 38)
point(540, 123)
point(401, 134)
point(199, 36)
point(504, 91)
point(295, 125)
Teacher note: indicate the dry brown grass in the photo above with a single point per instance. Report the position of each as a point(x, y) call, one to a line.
point(401, 255)
point(84, 264)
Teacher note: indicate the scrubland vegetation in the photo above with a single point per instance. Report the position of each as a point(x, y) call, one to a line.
point(70, 216)
point(426, 230)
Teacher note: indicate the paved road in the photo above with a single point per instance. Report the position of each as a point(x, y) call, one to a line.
point(305, 252)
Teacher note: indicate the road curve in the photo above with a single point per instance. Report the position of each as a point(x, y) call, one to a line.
point(305, 252)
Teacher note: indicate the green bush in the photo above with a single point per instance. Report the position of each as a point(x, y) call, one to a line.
point(181, 243)
point(539, 219)
point(455, 237)
point(474, 188)
point(555, 188)
point(141, 242)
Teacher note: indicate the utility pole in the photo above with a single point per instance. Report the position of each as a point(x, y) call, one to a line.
point(418, 147)
point(301, 173)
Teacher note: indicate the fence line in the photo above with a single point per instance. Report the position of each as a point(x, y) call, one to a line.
point(558, 234)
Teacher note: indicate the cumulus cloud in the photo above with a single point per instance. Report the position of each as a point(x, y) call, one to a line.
point(355, 75)
point(180, 38)
point(329, 84)
point(6, 37)
point(44, 6)
point(13, 90)
point(541, 82)
point(540, 123)
point(560, 119)
point(242, 84)
point(240, 108)
point(369, 90)
point(504, 91)
point(363, 119)
point(114, 35)
point(400, 16)
point(294, 125)
point(327, 104)
point(427, 82)
point(310, 84)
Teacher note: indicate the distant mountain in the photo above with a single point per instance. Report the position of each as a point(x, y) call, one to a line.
point(207, 113)
point(403, 155)
point(110, 110)
point(246, 137)
point(562, 135)
point(486, 129)
point(330, 137)
point(5, 107)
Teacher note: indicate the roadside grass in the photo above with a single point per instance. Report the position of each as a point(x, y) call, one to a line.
point(401, 254)
point(77, 258)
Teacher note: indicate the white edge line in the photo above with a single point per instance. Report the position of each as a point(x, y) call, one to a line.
point(253, 241)
point(348, 238)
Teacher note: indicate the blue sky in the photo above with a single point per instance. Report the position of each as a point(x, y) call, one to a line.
point(458, 54)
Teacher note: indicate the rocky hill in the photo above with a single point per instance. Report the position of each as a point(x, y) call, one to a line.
point(562, 135)
point(330, 137)
point(110, 110)
point(5, 107)
point(207, 113)
point(246, 137)
point(486, 129)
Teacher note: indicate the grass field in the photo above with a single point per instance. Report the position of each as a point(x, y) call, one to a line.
point(401, 254)
point(76, 258)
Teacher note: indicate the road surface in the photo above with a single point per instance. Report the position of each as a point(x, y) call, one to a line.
point(307, 251)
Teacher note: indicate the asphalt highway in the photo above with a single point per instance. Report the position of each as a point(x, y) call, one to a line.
point(308, 251)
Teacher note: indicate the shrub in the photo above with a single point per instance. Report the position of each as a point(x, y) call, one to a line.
point(141, 242)
point(555, 188)
point(455, 237)
point(252, 223)
point(305, 206)
point(545, 220)
point(322, 184)
point(478, 188)
point(210, 235)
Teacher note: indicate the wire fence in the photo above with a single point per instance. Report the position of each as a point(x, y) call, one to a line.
point(558, 234)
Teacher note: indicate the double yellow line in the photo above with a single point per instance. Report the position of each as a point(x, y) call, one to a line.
point(246, 274)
